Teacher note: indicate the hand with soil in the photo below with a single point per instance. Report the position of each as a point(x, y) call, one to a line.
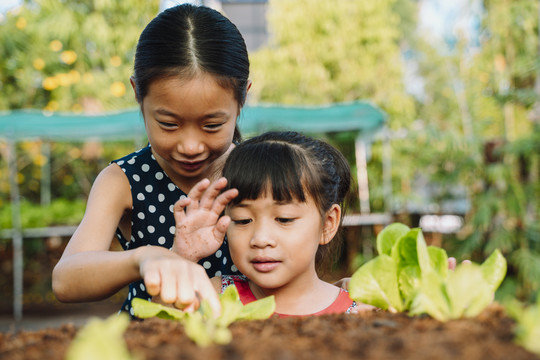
point(176, 280)
point(200, 228)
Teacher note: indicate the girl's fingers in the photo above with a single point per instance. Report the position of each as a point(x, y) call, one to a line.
point(208, 293)
point(197, 191)
point(209, 196)
point(179, 206)
point(152, 282)
point(168, 287)
point(186, 298)
point(221, 227)
point(223, 199)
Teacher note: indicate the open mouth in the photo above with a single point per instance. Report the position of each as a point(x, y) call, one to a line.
point(191, 165)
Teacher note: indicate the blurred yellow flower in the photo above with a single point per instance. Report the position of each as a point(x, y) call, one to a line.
point(55, 45)
point(74, 76)
point(50, 83)
point(116, 61)
point(118, 89)
point(39, 64)
point(20, 178)
point(52, 106)
point(68, 56)
point(40, 160)
point(88, 78)
point(63, 79)
point(75, 153)
point(21, 23)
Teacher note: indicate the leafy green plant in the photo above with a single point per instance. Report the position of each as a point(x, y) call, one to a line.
point(408, 275)
point(101, 339)
point(528, 324)
point(201, 326)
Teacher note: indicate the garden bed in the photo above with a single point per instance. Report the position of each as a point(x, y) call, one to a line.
point(374, 335)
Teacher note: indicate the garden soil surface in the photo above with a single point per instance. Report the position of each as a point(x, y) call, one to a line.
point(373, 335)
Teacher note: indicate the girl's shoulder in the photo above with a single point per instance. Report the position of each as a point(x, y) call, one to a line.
point(228, 280)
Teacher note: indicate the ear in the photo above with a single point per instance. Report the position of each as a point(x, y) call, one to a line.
point(331, 223)
point(132, 82)
point(248, 86)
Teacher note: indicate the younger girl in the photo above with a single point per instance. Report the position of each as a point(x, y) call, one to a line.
point(190, 80)
point(282, 222)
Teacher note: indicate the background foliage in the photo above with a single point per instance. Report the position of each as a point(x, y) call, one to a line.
point(472, 133)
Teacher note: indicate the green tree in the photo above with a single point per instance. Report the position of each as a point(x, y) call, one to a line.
point(71, 55)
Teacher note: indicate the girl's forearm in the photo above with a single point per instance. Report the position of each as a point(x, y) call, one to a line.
point(94, 275)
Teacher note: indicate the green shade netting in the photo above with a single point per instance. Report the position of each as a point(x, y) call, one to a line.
point(29, 124)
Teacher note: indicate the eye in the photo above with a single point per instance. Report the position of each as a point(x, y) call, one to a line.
point(213, 126)
point(284, 220)
point(241, 221)
point(167, 125)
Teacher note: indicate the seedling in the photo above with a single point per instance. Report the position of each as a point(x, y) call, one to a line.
point(409, 276)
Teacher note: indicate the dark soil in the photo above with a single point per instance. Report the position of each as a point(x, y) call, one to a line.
point(376, 335)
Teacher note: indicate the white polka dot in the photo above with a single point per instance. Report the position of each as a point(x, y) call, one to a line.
point(129, 296)
point(118, 236)
point(161, 240)
point(207, 265)
point(145, 167)
point(161, 197)
point(149, 188)
point(171, 187)
point(142, 287)
point(140, 234)
point(152, 209)
point(234, 268)
point(171, 208)
point(131, 161)
point(132, 312)
point(218, 254)
point(121, 162)
point(126, 307)
point(132, 238)
point(218, 273)
point(159, 175)
point(136, 177)
point(127, 244)
point(151, 229)
point(224, 261)
point(140, 196)
point(172, 230)
point(152, 156)
point(140, 215)
point(124, 170)
point(134, 292)
point(162, 219)
point(182, 197)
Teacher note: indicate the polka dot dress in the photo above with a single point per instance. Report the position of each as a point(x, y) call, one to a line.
point(152, 219)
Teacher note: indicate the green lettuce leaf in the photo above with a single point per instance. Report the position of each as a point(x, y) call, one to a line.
point(101, 339)
point(376, 283)
point(145, 309)
point(389, 236)
point(494, 269)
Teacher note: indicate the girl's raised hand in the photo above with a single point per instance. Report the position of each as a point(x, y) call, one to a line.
point(200, 228)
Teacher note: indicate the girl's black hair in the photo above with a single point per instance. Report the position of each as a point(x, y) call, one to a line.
point(291, 166)
point(186, 40)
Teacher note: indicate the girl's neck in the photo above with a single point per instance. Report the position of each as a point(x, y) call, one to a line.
point(301, 298)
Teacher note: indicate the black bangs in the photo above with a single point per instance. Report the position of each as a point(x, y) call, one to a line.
point(252, 166)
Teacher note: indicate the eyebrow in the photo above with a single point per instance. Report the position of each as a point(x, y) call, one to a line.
point(216, 114)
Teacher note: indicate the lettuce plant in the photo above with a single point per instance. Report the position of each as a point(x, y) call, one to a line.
point(410, 276)
point(528, 324)
point(201, 326)
point(101, 339)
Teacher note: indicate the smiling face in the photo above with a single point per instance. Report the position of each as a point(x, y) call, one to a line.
point(190, 123)
point(274, 243)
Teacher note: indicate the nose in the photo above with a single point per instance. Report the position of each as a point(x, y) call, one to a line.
point(190, 145)
point(262, 237)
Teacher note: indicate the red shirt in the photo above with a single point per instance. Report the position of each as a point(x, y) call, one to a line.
point(343, 303)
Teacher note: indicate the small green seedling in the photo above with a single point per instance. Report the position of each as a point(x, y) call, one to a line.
point(101, 339)
point(528, 324)
point(201, 326)
point(409, 276)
